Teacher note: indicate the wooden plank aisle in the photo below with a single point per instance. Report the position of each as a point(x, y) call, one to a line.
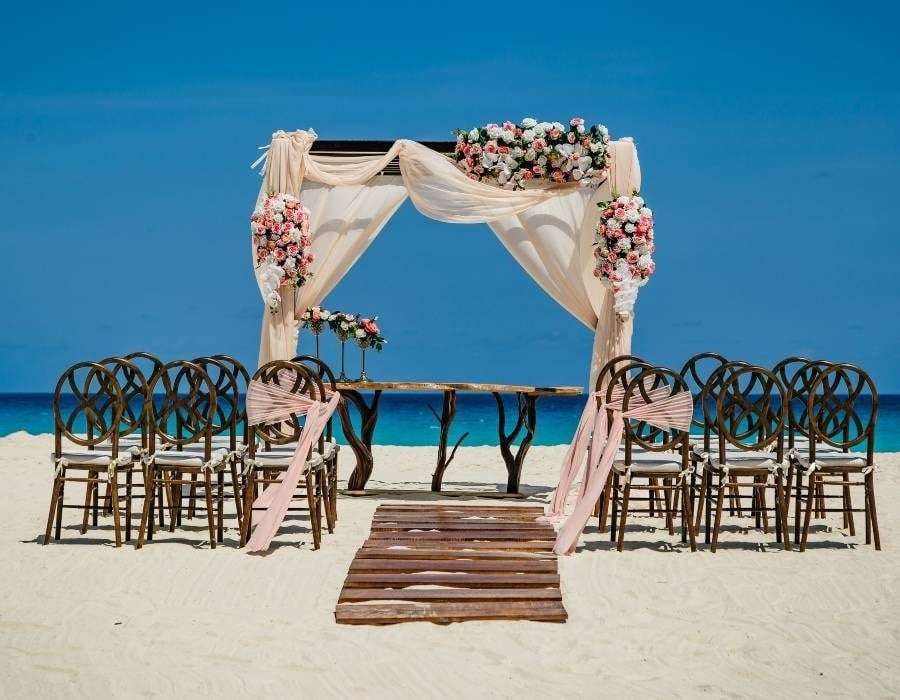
point(451, 563)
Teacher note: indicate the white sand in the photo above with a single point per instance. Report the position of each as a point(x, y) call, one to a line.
point(80, 617)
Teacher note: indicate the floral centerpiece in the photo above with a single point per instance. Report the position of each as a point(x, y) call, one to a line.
point(510, 154)
point(368, 335)
point(343, 325)
point(315, 318)
point(623, 249)
point(280, 229)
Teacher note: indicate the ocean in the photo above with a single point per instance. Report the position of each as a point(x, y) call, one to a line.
point(405, 419)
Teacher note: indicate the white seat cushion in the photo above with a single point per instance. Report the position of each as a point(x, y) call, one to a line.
point(833, 460)
point(281, 459)
point(95, 458)
point(330, 450)
point(650, 462)
point(189, 458)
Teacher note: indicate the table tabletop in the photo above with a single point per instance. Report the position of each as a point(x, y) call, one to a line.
point(460, 386)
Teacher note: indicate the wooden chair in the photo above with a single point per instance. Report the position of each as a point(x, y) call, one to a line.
point(267, 460)
point(330, 447)
point(664, 456)
point(183, 413)
point(842, 406)
point(750, 414)
point(98, 411)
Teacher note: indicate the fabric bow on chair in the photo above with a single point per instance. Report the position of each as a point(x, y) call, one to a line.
point(657, 407)
point(272, 403)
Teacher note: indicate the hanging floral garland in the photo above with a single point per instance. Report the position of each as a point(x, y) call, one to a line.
point(623, 248)
point(510, 155)
point(280, 229)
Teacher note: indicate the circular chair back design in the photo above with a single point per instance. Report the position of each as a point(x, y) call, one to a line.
point(184, 406)
point(798, 388)
point(228, 399)
point(696, 373)
point(147, 363)
point(135, 395)
point(605, 375)
point(751, 410)
point(843, 408)
point(98, 406)
point(242, 376)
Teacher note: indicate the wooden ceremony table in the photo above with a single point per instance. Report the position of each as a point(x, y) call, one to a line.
point(525, 420)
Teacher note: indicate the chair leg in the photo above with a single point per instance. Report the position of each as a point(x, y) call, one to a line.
point(625, 494)
point(59, 505)
point(323, 479)
point(129, 478)
point(220, 510)
point(249, 497)
point(210, 509)
point(604, 504)
point(89, 488)
point(686, 516)
point(781, 511)
point(333, 488)
point(667, 504)
point(313, 507)
point(149, 487)
point(614, 520)
point(54, 505)
point(720, 497)
point(701, 500)
point(797, 486)
point(236, 491)
point(873, 514)
point(113, 489)
point(848, 506)
point(763, 506)
point(810, 499)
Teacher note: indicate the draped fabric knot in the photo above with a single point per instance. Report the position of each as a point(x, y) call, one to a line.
point(269, 403)
point(658, 407)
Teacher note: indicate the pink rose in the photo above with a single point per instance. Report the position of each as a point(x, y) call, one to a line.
point(270, 245)
point(292, 272)
point(509, 126)
point(276, 227)
point(576, 121)
point(554, 133)
point(601, 229)
point(538, 170)
point(633, 270)
point(279, 254)
point(527, 174)
point(596, 272)
point(633, 256)
point(310, 257)
point(571, 137)
point(621, 214)
point(293, 250)
point(630, 204)
point(619, 233)
point(639, 240)
point(539, 145)
point(608, 213)
point(490, 147)
point(612, 258)
point(479, 169)
point(475, 149)
point(370, 327)
point(503, 150)
point(586, 142)
point(316, 317)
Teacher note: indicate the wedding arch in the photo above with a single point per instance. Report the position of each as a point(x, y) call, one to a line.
point(353, 188)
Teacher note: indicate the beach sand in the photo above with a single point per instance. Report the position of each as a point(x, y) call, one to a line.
point(80, 617)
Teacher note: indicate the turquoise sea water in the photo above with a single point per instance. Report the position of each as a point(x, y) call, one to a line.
point(404, 419)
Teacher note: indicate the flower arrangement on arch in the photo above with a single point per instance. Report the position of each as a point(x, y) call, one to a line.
point(623, 249)
point(315, 318)
point(510, 154)
point(280, 229)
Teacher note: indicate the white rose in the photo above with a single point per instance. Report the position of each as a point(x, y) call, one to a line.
point(643, 262)
point(278, 218)
point(503, 177)
point(487, 161)
point(360, 333)
point(596, 146)
point(577, 174)
point(603, 130)
point(345, 326)
point(542, 160)
point(639, 202)
point(289, 263)
point(625, 245)
point(613, 224)
point(511, 162)
point(494, 132)
point(560, 127)
point(508, 136)
point(584, 164)
point(530, 154)
point(277, 205)
point(539, 131)
point(579, 128)
point(646, 211)
point(517, 152)
point(295, 235)
point(622, 200)
point(629, 228)
point(325, 315)
point(528, 135)
point(528, 122)
point(634, 215)
point(474, 134)
point(258, 211)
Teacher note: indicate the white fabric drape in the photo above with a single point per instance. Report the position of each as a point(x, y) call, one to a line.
point(548, 231)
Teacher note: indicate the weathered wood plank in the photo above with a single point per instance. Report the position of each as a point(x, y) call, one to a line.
point(545, 546)
point(449, 526)
point(349, 595)
point(458, 580)
point(372, 614)
point(510, 565)
point(462, 535)
point(445, 553)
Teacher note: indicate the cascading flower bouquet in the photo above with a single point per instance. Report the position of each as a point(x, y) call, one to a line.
point(511, 155)
point(280, 229)
point(343, 325)
point(623, 249)
point(368, 334)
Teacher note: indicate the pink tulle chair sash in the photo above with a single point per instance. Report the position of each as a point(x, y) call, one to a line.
point(661, 408)
point(272, 403)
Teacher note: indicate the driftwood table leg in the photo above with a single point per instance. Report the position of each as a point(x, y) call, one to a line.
point(448, 412)
point(527, 419)
point(360, 443)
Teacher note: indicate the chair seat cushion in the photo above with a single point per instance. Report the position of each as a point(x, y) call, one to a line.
point(330, 450)
point(94, 458)
point(189, 458)
point(281, 459)
point(649, 462)
point(836, 460)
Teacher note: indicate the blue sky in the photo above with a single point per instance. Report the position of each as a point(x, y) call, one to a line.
point(768, 137)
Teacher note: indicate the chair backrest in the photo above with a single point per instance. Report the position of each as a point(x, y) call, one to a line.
point(843, 409)
point(297, 379)
point(696, 372)
point(787, 368)
point(243, 379)
point(147, 363)
point(228, 399)
point(97, 399)
point(135, 396)
point(613, 367)
point(751, 410)
point(184, 406)
point(708, 396)
point(650, 385)
point(798, 386)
